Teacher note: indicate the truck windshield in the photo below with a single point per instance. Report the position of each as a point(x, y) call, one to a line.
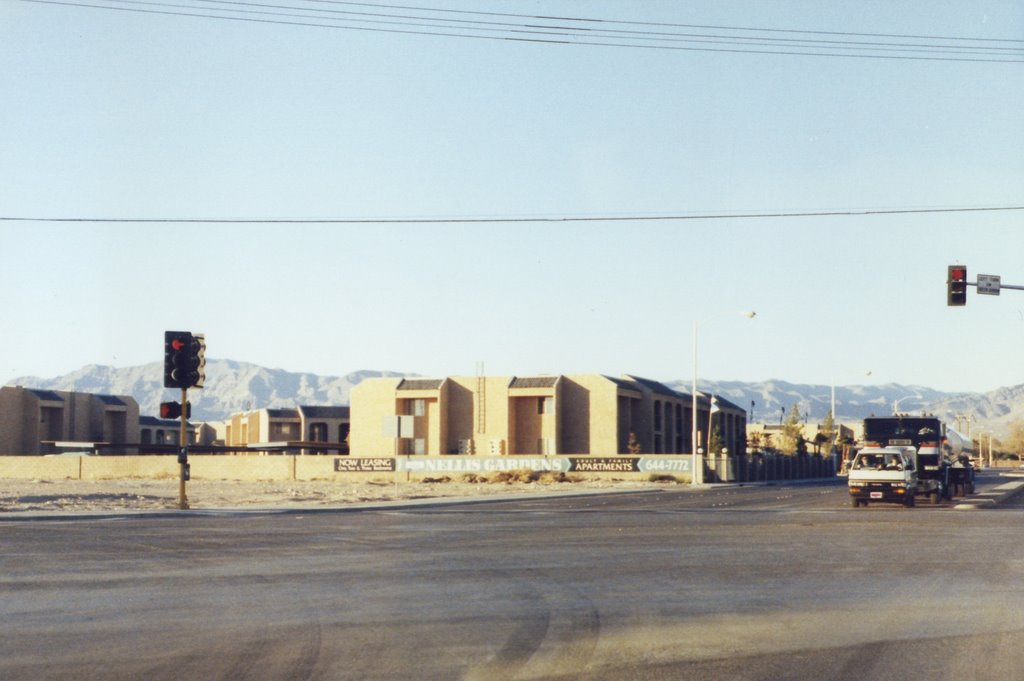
point(879, 462)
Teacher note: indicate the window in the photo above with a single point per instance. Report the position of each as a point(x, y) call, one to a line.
point(282, 431)
point(318, 432)
point(545, 405)
point(417, 407)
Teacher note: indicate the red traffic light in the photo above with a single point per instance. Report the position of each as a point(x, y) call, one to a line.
point(172, 410)
point(184, 359)
point(956, 285)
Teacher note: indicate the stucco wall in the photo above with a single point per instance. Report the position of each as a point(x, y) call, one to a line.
point(276, 467)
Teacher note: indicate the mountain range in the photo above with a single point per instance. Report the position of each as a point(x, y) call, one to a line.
point(233, 387)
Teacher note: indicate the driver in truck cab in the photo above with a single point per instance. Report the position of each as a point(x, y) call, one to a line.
point(895, 464)
point(869, 462)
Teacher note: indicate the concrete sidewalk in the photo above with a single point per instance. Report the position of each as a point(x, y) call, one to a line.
point(993, 496)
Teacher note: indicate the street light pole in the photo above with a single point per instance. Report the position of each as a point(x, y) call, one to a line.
point(693, 404)
point(896, 403)
point(693, 411)
point(836, 428)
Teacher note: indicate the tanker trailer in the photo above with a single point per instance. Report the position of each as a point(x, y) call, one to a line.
point(957, 450)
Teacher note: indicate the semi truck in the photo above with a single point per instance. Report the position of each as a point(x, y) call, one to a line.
point(943, 456)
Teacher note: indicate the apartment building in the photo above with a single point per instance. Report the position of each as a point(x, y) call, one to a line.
point(32, 420)
point(274, 427)
point(545, 415)
point(157, 431)
point(770, 435)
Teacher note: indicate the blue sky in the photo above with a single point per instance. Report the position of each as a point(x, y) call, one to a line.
point(114, 114)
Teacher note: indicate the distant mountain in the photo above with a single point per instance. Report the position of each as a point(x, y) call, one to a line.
point(230, 387)
point(990, 412)
point(233, 387)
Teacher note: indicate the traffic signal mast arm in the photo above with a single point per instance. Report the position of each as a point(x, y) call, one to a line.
point(991, 284)
point(986, 284)
point(1000, 284)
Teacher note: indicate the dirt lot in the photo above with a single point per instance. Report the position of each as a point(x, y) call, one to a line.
point(134, 494)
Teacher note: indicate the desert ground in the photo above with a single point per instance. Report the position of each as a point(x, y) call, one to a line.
point(146, 494)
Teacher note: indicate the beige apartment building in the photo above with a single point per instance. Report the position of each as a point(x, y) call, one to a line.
point(305, 424)
point(539, 415)
point(771, 434)
point(165, 432)
point(32, 420)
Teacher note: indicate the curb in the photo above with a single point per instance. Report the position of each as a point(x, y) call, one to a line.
point(391, 505)
point(992, 497)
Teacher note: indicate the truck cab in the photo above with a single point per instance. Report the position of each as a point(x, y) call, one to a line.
point(886, 474)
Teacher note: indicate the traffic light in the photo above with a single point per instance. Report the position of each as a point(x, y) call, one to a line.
point(184, 359)
point(956, 285)
point(199, 350)
point(172, 410)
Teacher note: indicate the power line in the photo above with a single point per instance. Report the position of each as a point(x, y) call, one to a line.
point(619, 22)
point(496, 26)
point(583, 32)
point(518, 220)
point(664, 24)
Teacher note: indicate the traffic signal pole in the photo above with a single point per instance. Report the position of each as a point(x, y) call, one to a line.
point(183, 453)
point(184, 367)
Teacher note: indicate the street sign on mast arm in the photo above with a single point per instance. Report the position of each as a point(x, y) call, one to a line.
point(987, 284)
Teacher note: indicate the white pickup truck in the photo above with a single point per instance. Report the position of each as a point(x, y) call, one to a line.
point(886, 474)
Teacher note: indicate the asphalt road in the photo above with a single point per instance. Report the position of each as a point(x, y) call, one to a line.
point(781, 582)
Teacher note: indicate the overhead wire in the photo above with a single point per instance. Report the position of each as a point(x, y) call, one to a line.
point(493, 26)
point(566, 31)
point(658, 23)
point(575, 31)
point(724, 215)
